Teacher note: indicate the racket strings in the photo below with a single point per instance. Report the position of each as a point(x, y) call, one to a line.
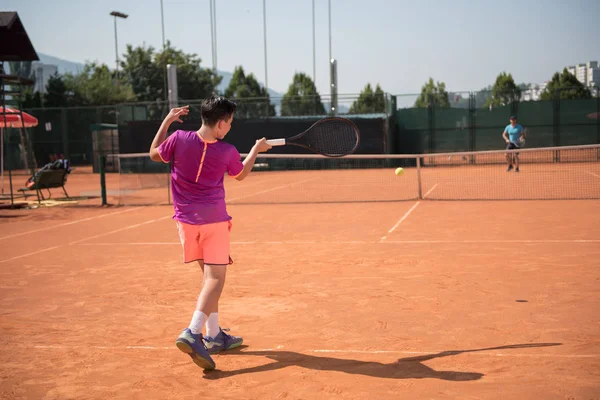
point(333, 138)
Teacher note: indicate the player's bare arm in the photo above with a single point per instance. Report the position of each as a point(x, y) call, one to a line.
point(260, 146)
point(174, 116)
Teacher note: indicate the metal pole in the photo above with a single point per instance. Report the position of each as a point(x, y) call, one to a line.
point(215, 18)
point(117, 51)
point(119, 15)
point(419, 177)
point(329, 30)
point(162, 21)
point(212, 35)
point(265, 43)
point(314, 44)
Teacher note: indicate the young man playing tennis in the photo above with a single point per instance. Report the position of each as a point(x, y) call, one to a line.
point(513, 135)
point(199, 162)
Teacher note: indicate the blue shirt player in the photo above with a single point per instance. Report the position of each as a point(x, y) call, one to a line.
point(513, 135)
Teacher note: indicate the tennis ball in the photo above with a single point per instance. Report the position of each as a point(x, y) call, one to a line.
point(399, 171)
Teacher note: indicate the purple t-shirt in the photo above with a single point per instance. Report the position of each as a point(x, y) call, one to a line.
point(197, 173)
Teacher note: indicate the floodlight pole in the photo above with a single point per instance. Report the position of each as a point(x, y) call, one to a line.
point(117, 14)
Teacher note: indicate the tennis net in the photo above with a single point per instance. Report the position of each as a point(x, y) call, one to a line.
point(569, 172)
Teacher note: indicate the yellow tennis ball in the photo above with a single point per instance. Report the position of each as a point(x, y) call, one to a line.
point(399, 171)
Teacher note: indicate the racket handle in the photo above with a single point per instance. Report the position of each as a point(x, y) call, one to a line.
point(276, 142)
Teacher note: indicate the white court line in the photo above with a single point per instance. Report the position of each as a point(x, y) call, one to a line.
point(492, 241)
point(354, 242)
point(591, 173)
point(85, 239)
point(121, 229)
point(270, 190)
point(331, 351)
point(30, 254)
point(400, 221)
point(68, 223)
point(430, 190)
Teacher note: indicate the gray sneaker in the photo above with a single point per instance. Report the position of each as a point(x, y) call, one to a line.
point(193, 344)
point(222, 342)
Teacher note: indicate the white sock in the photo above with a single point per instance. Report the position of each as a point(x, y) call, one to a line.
point(198, 321)
point(212, 325)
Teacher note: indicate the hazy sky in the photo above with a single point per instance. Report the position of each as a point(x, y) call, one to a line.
point(396, 43)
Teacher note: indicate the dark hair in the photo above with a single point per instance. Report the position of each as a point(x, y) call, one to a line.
point(216, 108)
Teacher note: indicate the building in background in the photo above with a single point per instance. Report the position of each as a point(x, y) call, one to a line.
point(593, 74)
point(588, 73)
point(42, 72)
point(534, 92)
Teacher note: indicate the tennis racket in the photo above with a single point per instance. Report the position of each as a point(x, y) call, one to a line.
point(331, 137)
point(523, 138)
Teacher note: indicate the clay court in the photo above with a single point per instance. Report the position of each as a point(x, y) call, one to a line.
point(336, 295)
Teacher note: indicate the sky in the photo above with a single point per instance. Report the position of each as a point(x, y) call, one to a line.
point(395, 43)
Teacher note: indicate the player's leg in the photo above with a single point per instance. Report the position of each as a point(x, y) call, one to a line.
point(190, 341)
point(516, 162)
point(217, 248)
point(212, 323)
point(509, 158)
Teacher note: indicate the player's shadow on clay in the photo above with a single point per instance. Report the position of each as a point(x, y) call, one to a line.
point(404, 368)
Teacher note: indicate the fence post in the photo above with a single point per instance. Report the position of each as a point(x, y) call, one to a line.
point(391, 130)
point(556, 122)
point(419, 176)
point(65, 132)
point(431, 122)
point(472, 122)
point(102, 162)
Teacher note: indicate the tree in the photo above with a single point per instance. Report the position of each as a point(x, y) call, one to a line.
point(94, 85)
point(143, 74)
point(369, 101)
point(504, 91)
point(56, 92)
point(302, 97)
point(252, 100)
point(31, 99)
point(145, 70)
point(565, 86)
point(433, 94)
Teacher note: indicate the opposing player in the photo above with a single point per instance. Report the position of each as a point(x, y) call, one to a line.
point(199, 162)
point(513, 135)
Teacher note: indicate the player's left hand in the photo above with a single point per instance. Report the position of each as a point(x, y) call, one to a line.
point(176, 113)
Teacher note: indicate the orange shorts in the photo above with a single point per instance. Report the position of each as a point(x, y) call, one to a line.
point(208, 242)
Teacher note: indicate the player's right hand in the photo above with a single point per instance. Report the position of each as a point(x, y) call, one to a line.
point(262, 145)
point(176, 113)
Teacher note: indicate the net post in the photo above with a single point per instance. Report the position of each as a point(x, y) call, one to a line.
point(419, 178)
point(102, 162)
point(10, 183)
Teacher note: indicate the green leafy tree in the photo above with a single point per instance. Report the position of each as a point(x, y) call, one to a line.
point(302, 97)
point(504, 91)
point(433, 94)
point(95, 85)
point(252, 100)
point(369, 101)
point(56, 92)
point(31, 99)
point(565, 86)
point(145, 70)
point(143, 74)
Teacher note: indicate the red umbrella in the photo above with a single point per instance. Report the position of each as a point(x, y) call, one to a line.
point(13, 119)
